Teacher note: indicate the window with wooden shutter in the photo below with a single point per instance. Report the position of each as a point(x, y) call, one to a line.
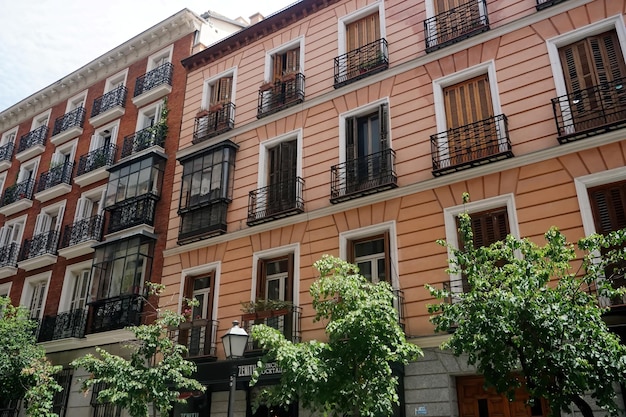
point(287, 62)
point(362, 32)
point(282, 163)
point(221, 91)
point(275, 278)
point(371, 254)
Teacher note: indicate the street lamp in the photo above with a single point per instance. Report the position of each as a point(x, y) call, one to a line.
point(234, 342)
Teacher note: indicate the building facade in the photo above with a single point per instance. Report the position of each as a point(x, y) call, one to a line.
point(352, 127)
point(86, 174)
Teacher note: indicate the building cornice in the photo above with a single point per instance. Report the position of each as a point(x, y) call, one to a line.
point(138, 47)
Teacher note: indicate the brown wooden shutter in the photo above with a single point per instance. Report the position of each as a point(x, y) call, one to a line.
point(362, 32)
point(446, 5)
point(290, 278)
point(384, 128)
point(220, 93)
point(292, 61)
point(468, 102)
point(488, 227)
point(277, 67)
point(260, 281)
point(608, 204)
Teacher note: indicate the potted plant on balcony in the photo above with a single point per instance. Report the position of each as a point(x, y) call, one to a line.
point(263, 308)
point(215, 107)
point(266, 85)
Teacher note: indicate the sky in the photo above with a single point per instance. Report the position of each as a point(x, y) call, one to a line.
point(41, 41)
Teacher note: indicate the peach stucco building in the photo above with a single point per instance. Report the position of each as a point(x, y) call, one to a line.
point(352, 127)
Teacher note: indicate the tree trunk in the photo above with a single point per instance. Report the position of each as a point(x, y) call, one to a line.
point(582, 405)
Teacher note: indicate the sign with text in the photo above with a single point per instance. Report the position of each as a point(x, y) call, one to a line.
point(271, 368)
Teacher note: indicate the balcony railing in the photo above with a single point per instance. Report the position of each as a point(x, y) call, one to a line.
point(32, 138)
point(114, 98)
point(132, 212)
point(456, 24)
point(151, 79)
point(276, 201)
point(104, 156)
point(220, 120)
point(280, 95)
point(361, 62)
point(398, 303)
point(83, 231)
point(591, 111)
point(543, 4)
point(287, 321)
point(10, 407)
point(362, 176)
point(63, 325)
point(471, 145)
point(60, 174)
point(115, 313)
point(6, 151)
point(203, 221)
point(144, 139)
point(19, 191)
point(199, 336)
point(41, 244)
point(8, 255)
point(75, 118)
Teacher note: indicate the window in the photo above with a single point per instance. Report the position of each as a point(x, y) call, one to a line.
point(371, 255)
point(59, 401)
point(220, 91)
point(101, 409)
point(285, 63)
point(451, 21)
point(149, 116)
point(362, 32)
point(7, 144)
point(45, 238)
point(103, 137)
point(41, 120)
point(160, 58)
point(275, 282)
point(116, 81)
point(206, 192)
point(120, 268)
point(200, 338)
point(135, 179)
point(76, 102)
point(28, 173)
point(34, 294)
point(10, 239)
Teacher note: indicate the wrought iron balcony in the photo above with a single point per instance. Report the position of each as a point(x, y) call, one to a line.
point(199, 336)
point(275, 201)
point(471, 145)
point(287, 321)
point(543, 4)
point(62, 326)
point(10, 407)
point(362, 176)
point(203, 221)
point(151, 79)
point(60, 174)
point(115, 313)
point(104, 156)
point(217, 120)
point(590, 112)
point(32, 138)
point(361, 62)
point(114, 98)
point(456, 24)
point(6, 151)
point(75, 118)
point(280, 95)
point(8, 255)
point(19, 191)
point(83, 231)
point(132, 212)
point(398, 304)
point(144, 139)
point(41, 244)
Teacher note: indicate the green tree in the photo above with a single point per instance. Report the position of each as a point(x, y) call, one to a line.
point(155, 373)
point(530, 318)
point(351, 373)
point(24, 370)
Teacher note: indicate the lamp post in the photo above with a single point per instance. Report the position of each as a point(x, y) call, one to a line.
point(234, 342)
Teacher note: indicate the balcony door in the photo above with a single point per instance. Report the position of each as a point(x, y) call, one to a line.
point(467, 104)
point(359, 34)
point(10, 238)
point(80, 293)
point(275, 282)
point(37, 298)
point(199, 338)
point(371, 255)
point(281, 178)
point(221, 91)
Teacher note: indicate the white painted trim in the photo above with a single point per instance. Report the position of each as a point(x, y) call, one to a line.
point(294, 249)
point(6, 134)
point(343, 21)
point(80, 96)
point(210, 82)
point(115, 78)
point(22, 220)
point(72, 149)
point(163, 52)
point(282, 48)
point(68, 284)
point(373, 230)
point(5, 289)
point(30, 164)
point(270, 143)
point(216, 268)
point(112, 127)
point(146, 112)
point(27, 290)
point(362, 111)
point(40, 116)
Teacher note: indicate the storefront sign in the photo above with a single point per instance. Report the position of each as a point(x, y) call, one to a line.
point(271, 368)
point(189, 414)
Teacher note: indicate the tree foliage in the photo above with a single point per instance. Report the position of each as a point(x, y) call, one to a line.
point(529, 313)
point(156, 372)
point(351, 373)
point(24, 370)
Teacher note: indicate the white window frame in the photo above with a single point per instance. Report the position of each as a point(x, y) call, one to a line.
point(374, 230)
point(68, 284)
point(57, 209)
point(356, 15)
point(94, 194)
point(270, 143)
point(157, 56)
point(5, 289)
point(450, 215)
point(19, 220)
point(113, 128)
point(209, 83)
point(29, 284)
point(6, 136)
point(147, 112)
point(38, 120)
point(215, 268)
point(72, 102)
point(292, 249)
point(68, 148)
point(362, 111)
point(31, 164)
point(3, 181)
point(115, 79)
point(297, 42)
point(430, 12)
point(553, 45)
